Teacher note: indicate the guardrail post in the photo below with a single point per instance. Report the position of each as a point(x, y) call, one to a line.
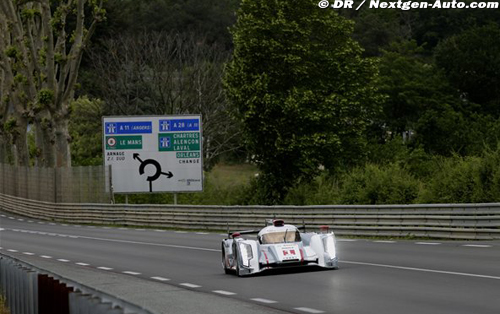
point(32, 291)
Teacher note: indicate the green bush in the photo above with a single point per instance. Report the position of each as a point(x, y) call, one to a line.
point(323, 190)
point(375, 184)
point(396, 150)
point(465, 180)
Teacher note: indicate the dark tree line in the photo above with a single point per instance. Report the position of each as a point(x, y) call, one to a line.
point(304, 88)
point(432, 76)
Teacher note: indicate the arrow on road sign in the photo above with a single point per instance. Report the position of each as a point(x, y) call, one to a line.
point(136, 156)
point(158, 170)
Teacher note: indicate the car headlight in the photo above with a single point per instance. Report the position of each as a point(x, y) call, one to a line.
point(246, 253)
point(329, 244)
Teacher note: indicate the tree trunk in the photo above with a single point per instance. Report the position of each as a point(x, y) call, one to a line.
point(4, 148)
point(62, 140)
point(20, 143)
point(44, 144)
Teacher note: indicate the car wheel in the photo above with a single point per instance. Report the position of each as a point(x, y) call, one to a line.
point(224, 265)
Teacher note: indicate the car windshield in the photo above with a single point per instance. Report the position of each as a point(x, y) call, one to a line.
point(280, 237)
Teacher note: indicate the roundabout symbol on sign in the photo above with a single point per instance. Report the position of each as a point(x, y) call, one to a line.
point(156, 175)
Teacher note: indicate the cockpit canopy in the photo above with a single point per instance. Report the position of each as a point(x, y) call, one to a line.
point(282, 234)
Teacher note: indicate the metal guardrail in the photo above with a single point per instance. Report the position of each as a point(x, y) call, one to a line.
point(453, 221)
point(31, 290)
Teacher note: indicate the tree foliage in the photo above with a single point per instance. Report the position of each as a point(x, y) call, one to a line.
point(471, 61)
point(208, 17)
point(85, 129)
point(301, 88)
point(41, 48)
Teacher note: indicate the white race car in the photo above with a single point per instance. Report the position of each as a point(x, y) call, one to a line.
point(278, 245)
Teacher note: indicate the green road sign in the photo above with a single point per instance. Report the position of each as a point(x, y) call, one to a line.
point(188, 155)
point(179, 142)
point(124, 142)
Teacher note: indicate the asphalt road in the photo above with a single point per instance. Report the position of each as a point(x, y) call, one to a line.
point(404, 276)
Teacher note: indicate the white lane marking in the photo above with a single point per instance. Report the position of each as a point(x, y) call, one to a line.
point(65, 225)
point(423, 270)
point(63, 260)
point(104, 268)
point(1, 248)
point(264, 300)
point(42, 223)
point(477, 245)
point(45, 256)
point(131, 273)
point(308, 310)
point(181, 232)
point(20, 219)
point(30, 221)
point(82, 264)
point(189, 285)
point(122, 228)
point(224, 292)
point(52, 224)
point(106, 228)
point(151, 244)
point(160, 278)
point(145, 243)
point(202, 233)
point(347, 240)
point(28, 253)
point(427, 243)
point(3, 215)
point(12, 218)
point(158, 230)
point(13, 251)
point(140, 229)
point(2, 229)
point(383, 241)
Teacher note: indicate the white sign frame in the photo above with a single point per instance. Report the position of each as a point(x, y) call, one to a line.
point(154, 154)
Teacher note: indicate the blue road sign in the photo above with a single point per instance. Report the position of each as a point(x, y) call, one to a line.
point(179, 125)
point(129, 127)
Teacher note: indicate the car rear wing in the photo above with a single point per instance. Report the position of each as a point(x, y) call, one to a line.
point(239, 233)
point(268, 223)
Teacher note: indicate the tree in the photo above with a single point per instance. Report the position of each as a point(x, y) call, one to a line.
point(412, 85)
point(421, 101)
point(209, 17)
point(41, 47)
point(471, 61)
point(85, 130)
point(302, 89)
point(165, 74)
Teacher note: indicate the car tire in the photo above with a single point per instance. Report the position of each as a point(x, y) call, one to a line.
point(226, 270)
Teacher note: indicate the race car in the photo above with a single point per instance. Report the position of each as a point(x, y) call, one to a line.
point(278, 245)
